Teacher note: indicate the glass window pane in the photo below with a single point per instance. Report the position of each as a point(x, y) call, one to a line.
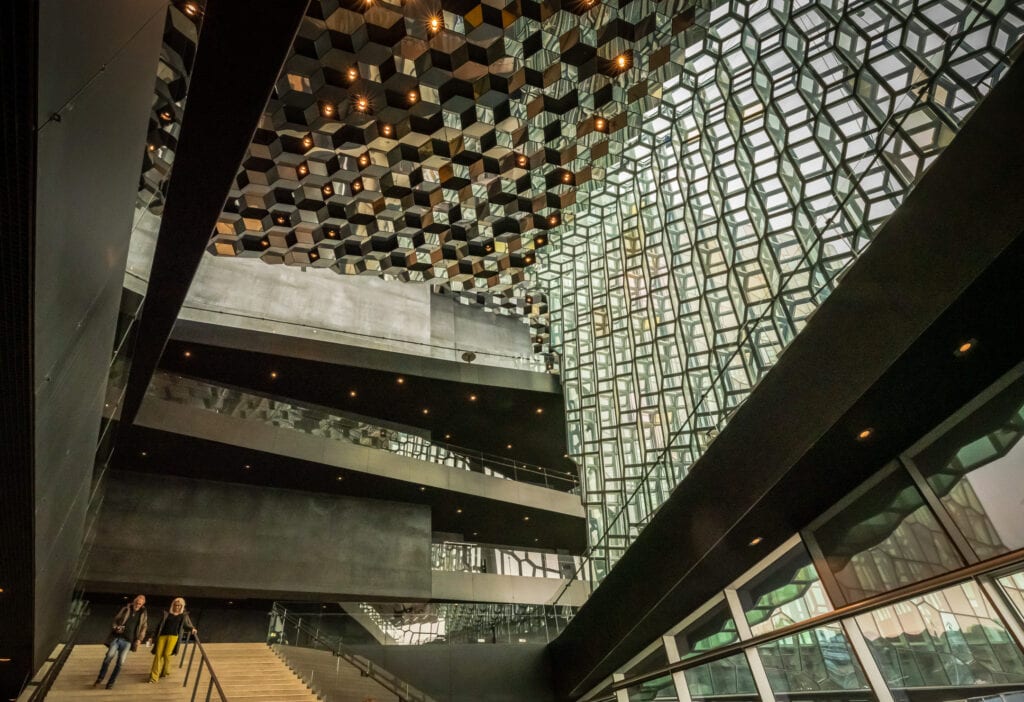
point(659, 689)
point(1013, 586)
point(952, 638)
point(977, 470)
point(729, 677)
point(788, 591)
point(885, 539)
point(651, 662)
point(713, 630)
point(817, 660)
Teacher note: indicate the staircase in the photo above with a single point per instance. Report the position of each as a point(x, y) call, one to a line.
point(333, 678)
point(248, 672)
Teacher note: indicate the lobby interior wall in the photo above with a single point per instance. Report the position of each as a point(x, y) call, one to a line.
point(164, 535)
point(95, 89)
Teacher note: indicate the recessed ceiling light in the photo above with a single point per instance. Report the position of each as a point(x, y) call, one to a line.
point(622, 62)
point(472, 398)
point(340, 477)
point(5, 660)
point(435, 24)
point(865, 434)
point(475, 533)
point(273, 375)
point(508, 446)
point(307, 141)
point(526, 518)
point(1, 591)
point(247, 466)
point(400, 380)
point(600, 124)
point(191, 9)
point(412, 96)
point(143, 454)
point(447, 436)
point(540, 410)
point(426, 410)
point(756, 540)
point(458, 510)
point(352, 393)
point(536, 540)
point(965, 347)
point(187, 354)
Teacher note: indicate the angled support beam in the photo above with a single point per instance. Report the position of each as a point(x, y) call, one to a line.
point(241, 50)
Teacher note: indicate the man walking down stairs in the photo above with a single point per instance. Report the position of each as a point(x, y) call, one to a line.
point(248, 672)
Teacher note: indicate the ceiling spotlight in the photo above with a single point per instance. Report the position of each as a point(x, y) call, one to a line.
point(447, 436)
point(526, 518)
point(281, 219)
point(264, 243)
point(756, 540)
point(539, 241)
point(303, 169)
point(386, 130)
point(351, 393)
point(508, 446)
point(622, 61)
point(435, 24)
point(313, 255)
point(364, 160)
point(522, 161)
point(187, 354)
point(865, 434)
point(426, 410)
point(965, 348)
point(326, 109)
point(413, 96)
point(472, 398)
point(327, 190)
point(362, 104)
point(458, 510)
point(143, 454)
point(422, 489)
point(151, 147)
point(307, 141)
point(352, 73)
point(273, 375)
point(600, 124)
point(553, 220)
point(247, 466)
point(340, 477)
point(331, 233)
point(191, 9)
point(400, 380)
point(166, 115)
point(540, 410)
point(567, 177)
point(356, 186)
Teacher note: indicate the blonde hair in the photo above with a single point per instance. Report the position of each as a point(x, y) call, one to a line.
point(176, 600)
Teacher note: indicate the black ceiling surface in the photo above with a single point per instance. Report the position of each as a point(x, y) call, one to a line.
point(497, 417)
point(481, 520)
point(944, 269)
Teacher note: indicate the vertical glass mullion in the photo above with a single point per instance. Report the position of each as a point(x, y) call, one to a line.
point(1010, 617)
point(860, 649)
point(764, 688)
point(825, 574)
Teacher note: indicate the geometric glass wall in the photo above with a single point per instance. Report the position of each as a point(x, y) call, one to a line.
point(787, 137)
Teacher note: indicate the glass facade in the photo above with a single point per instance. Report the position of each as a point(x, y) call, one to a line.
point(871, 602)
point(783, 138)
point(952, 638)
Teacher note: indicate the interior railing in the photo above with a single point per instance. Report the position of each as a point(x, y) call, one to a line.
point(192, 641)
point(340, 426)
point(37, 688)
point(308, 636)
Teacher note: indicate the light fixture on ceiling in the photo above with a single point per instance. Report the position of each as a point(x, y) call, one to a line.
point(340, 477)
point(327, 190)
point(191, 9)
point(508, 446)
point(331, 233)
point(413, 96)
point(865, 434)
point(143, 454)
point(422, 488)
point(567, 177)
point(965, 347)
point(352, 74)
point(166, 115)
point(361, 104)
point(326, 109)
point(522, 161)
point(364, 160)
point(526, 518)
point(458, 510)
point(472, 398)
point(447, 436)
point(756, 540)
point(540, 410)
point(151, 147)
point(400, 380)
point(435, 24)
point(247, 466)
point(351, 393)
point(264, 243)
point(187, 354)
point(356, 186)
point(426, 410)
point(600, 124)
point(553, 220)
point(307, 141)
point(273, 375)
point(314, 255)
point(386, 130)
point(622, 61)
point(303, 169)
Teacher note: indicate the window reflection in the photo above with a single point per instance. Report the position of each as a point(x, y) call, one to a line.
point(787, 592)
point(729, 677)
point(659, 689)
point(817, 660)
point(951, 638)
point(977, 470)
point(713, 630)
point(885, 539)
point(1013, 586)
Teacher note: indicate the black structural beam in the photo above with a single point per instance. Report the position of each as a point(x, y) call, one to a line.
point(18, 32)
point(878, 352)
point(241, 50)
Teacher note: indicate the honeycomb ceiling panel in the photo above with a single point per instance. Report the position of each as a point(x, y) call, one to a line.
point(443, 142)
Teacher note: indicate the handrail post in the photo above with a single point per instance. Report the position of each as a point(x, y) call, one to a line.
point(195, 684)
point(209, 689)
point(188, 671)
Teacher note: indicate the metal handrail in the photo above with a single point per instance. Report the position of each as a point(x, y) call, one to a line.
point(203, 660)
point(37, 689)
point(366, 667)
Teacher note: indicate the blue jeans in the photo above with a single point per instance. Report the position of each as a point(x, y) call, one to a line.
point(118, 649)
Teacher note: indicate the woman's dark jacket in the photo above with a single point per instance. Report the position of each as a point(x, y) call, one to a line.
point(184, 624)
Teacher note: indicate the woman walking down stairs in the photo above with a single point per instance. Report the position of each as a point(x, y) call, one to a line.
point(248, 672)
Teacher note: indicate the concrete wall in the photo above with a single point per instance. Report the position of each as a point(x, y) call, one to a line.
point(99, 84)
point(167, 535)
point(470, 673)
point(356, 311)
point(490, 587)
